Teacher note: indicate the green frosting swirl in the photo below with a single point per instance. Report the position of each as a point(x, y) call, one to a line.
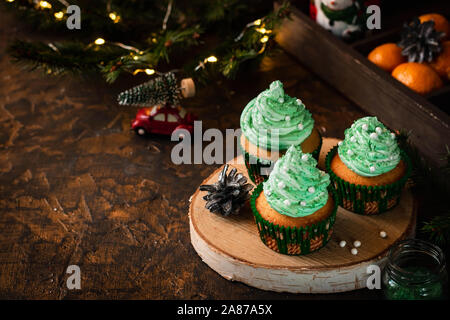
point(369, 149)
point(275, 120)
point(296, 187)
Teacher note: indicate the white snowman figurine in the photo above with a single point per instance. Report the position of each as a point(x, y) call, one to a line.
point(341, 17)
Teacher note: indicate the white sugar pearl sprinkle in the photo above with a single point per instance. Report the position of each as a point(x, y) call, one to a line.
point(354, 251)
point(383, 234)
point(303, 203)
point(311, 189)
point(287, 202)
point(304, 157)
point(342, 244)
point(299, 102)
point(353, 139)
point(373, 135)
point(365, 127)
point(287, 118)
point(349, 152)
point(340, 143)
point(357, 244)
point(372, 169)
point(378, 130)
point(392, 135)
point(300, 126)
point(268, 192)
point(281, 100)
point(281, 185)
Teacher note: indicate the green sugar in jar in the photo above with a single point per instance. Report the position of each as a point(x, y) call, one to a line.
point(415, 270)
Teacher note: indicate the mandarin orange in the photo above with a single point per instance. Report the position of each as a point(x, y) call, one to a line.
point(418, 77)
point(387, 56)
point(440, 22)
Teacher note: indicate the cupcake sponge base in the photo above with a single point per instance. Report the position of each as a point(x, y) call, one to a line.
point(364, 195)
point(293, 236)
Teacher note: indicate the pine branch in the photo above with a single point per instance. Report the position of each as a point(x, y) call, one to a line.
point(431, 184)
point(438, 229)
point(159, 47)
point(61, 58)
point(252, 46)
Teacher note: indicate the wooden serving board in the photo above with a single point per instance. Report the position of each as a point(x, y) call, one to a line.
point(232, 247)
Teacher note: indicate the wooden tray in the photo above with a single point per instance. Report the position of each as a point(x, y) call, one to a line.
point(231, 246)
point(346, 68)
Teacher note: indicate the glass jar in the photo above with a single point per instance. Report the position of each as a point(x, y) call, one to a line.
point(415, 270)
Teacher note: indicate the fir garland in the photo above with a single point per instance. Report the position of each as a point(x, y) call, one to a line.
point(146, 35)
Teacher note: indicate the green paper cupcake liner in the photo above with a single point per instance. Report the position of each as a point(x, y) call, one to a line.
point(256, 166)
point(367, 200)
point(293, 240)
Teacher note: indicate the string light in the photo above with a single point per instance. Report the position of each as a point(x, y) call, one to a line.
point(99, 41)
point(263, 30)
point(264, 39)
point(45, 5)
point(59, 15)
point(211, 59)
point(147, 71)
point(114, 17)
point(250, 24)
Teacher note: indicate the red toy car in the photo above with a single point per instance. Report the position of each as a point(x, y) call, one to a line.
point(162, 120)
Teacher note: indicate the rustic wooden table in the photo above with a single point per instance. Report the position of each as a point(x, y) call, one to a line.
point(78, 187)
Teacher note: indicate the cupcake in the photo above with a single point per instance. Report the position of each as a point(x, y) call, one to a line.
point(368, 169)
point(294, 208)
point(272, 122)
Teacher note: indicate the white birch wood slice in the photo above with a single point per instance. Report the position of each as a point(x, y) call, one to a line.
point(232, 247)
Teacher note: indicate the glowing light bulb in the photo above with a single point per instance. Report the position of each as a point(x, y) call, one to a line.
point(114, 17)
point(99, 41)
point(59, 15)
point(211, 59)
point(264, 39)
point(9, 0)
point(257, 22)
point(149, 71)
point(261, 30)
point(45, 5)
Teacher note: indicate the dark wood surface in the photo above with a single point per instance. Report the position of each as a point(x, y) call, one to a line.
point(77, 187)
point(376, 91)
